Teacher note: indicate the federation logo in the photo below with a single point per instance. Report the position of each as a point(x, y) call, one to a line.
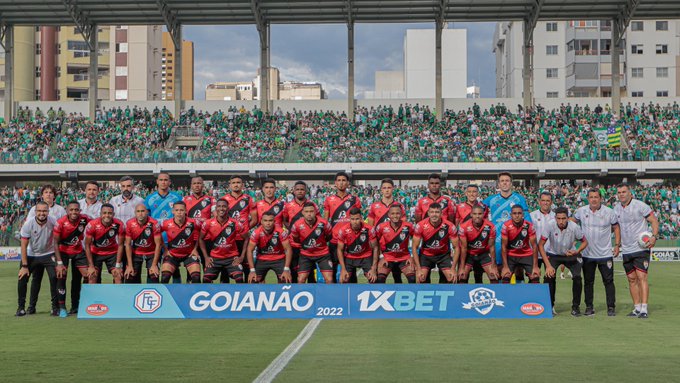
point(148, 301)
point(483, 300)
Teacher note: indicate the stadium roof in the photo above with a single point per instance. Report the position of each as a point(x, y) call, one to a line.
point(188, 12)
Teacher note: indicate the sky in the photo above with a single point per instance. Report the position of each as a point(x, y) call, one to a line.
point(319, 53)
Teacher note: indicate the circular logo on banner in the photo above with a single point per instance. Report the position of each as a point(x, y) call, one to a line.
point(148, 301)
point(532, 309)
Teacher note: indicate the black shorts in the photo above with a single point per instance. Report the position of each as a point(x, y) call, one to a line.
point(262, 267)
point(352, 264)
point(139, 260)
point(442, 261)
point(294, 261)
point(306, 264)
point(224, 266)
point(100, 260)
point(79, 260)
point(482, 260)
point(526, 263)
point(573, 263)
point(187, 260)
point(638, 260)
point(333, 249)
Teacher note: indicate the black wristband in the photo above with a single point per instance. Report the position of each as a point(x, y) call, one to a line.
point(24, 265)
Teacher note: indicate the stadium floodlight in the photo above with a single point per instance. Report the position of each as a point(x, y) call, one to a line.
point(192, 172)
point(641, 172)
point(541, 173)
point(604, 172)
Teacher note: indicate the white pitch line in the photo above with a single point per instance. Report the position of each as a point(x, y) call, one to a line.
point(277, 365)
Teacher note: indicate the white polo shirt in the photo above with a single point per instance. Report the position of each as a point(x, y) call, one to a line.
point(40, 237)
point(541, 222)
point(633, 221)
point(56, 211)
point(125, 210)
point(93, 211)
point(597, 227)
point(560, 240)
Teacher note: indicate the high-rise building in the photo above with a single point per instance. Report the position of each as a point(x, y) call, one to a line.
point(251, 90)
point(51, 63)
point(573, 59)
point(168, 69)
point(136, 62)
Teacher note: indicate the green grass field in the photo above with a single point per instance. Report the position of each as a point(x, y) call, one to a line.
point(600, 349)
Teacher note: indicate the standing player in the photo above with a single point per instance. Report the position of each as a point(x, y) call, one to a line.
point(476, 238)
point(269, 203)
point(439, 239)
point(313, 234)
point(182, 246)
point(104, 239)
point(273, 251)
point(635, 217)
point(542, 217)
point(394, 237)
point(357, 249)
point(91, 206)
point(292, 213)
point(220, 235)
point(199, 203)
point(68, 247)
point(143, 245)
point(463, 214)
point(598, 222)
point(518, 247)
point(562, 234)
point(500, 206)
point(160, 204)
point(379, 213)
point(37, 251)
point(434, 185)
point(336, 209)
point(241, 208)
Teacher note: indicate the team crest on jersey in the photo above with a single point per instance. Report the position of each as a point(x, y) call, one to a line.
point(348, 204)
point(242, 204)
point(524, 232)
point(484, 234)
point(112, 232)
point(275, 240)
point(147, 231)
point(277, 209)
point(362, 237)
point(187, 231)
point(402, 236)
point(317, 231)
point(442, 233)
point(204, 203)
point(81, 227)
point(228, 230)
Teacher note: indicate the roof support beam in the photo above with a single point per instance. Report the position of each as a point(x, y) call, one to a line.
point(3, 32)
point(82, 21)
point(619, 26)
point(528, 52)
point(263, 30)
point(623, 19)
point(440, 21)
point(171, 22)
point(350, 60)
point(7, 35)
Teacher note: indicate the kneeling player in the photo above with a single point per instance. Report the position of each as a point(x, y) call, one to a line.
point(68, 239)
point(220, 235)
point(560, 235)
point(394, 237)
point(518, 247)
point(273, 251)
point(182, 247)
point(143, 244)
point(357, 249)
point(477, 237)
point(313, 234)
point(439, 239)
point(104, 238)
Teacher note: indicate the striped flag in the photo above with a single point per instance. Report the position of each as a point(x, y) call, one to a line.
point(614, 136)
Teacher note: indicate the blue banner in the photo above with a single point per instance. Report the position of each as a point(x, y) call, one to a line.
point(364, 301)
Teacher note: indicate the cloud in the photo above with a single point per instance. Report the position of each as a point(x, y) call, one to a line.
point(319, 53)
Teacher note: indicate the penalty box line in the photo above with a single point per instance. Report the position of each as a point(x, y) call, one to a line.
point(281, 361)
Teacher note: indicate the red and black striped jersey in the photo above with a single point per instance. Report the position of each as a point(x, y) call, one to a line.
point(464, 209)
point(71, 234)
point(240, 208)
point(199, 208)
point(436, 240)
point(270, 245)
point(222, 237)
point(292, 212)
point(518, 238)
point(313, 239)
point(104, 238)
point(479, 239)
point(275, 207)
point(338, 210)
point(143, 235)
point(394, 243)
point(357, 243)
point(181, 239)
point(378, 212)
point(448, 208)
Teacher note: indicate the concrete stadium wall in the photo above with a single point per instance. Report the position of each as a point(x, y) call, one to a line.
point(341, 105)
